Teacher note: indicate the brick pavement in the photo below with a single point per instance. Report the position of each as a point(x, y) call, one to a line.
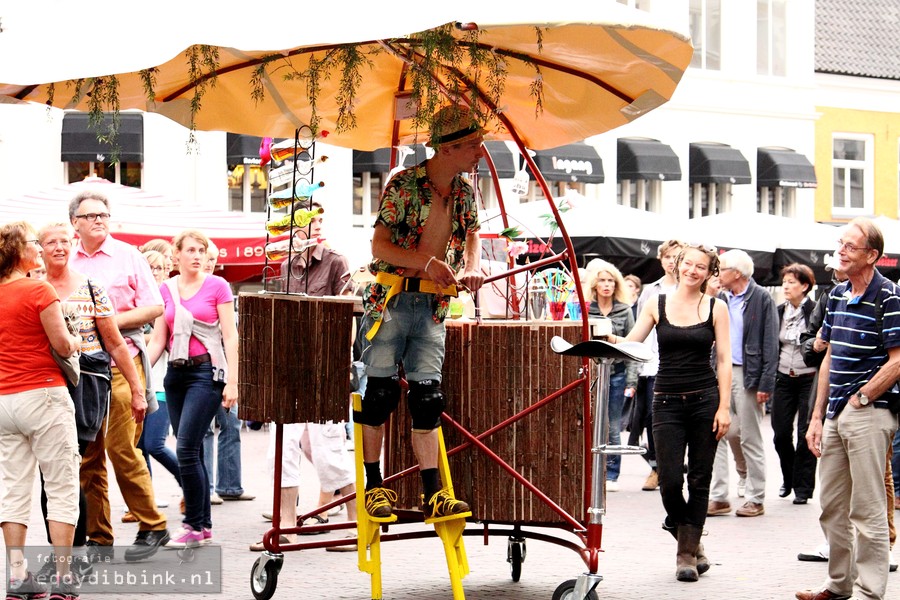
point(752, 558)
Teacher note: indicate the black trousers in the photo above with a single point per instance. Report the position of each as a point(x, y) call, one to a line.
point(790, 402)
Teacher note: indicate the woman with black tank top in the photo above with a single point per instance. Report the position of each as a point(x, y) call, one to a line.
point(691, 402)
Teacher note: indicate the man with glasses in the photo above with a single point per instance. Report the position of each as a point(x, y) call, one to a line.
point(859, 400)
point(126, 276)
point(754, 352)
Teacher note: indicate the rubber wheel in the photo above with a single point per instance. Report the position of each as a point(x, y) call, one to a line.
point(566, 591)
point(263, 581)
point(515, 561)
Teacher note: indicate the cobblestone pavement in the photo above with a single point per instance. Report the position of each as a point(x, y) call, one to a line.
point(753, 558)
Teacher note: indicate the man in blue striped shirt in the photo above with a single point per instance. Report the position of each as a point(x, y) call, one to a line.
point(862, 326)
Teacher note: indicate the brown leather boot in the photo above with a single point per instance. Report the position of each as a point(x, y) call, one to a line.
point(688, 541)
point(702, 560)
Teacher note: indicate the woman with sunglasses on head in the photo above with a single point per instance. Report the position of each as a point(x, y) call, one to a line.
point(691, 400)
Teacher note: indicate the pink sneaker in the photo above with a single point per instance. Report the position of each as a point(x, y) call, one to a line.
point(207, 536)
point(185, 537)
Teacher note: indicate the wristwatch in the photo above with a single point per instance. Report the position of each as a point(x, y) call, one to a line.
point(863, 399)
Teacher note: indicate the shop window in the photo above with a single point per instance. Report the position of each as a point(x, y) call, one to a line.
point(853, 172)
point(709, 199)
point(123, 173)
point(367, 188)
point(247, 188)
point(706, 34)
point(778, 201)
point(642, 194)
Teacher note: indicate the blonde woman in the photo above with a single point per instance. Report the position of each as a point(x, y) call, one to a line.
point(198, 329)
point(609, 298)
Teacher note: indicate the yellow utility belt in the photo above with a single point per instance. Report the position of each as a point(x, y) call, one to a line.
point(399, 284)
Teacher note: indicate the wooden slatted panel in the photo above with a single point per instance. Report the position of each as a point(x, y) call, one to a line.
point(492, 371)
point(295, 354)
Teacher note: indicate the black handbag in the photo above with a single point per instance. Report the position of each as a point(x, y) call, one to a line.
point(91, 395)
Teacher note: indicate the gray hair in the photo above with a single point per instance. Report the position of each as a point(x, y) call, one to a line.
point(86, 195)
point(738, 260)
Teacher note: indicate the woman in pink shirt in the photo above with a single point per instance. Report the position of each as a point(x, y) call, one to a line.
point(198, 329)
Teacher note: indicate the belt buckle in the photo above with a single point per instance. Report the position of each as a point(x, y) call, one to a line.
point(412, 284)
point(792, 373)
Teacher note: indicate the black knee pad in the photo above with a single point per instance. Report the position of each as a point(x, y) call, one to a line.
point(381, 399)
point(426, 403)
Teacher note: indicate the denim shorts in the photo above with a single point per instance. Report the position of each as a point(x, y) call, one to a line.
point(407, 334)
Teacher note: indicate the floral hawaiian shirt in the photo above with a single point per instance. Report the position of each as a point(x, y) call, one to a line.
point(405, 205)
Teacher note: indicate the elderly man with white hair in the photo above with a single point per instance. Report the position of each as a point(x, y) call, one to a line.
point(754, 351)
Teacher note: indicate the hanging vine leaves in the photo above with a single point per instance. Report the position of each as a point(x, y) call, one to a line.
point(443, 65)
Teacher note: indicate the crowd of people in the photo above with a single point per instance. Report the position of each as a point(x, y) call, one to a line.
point(723, 354)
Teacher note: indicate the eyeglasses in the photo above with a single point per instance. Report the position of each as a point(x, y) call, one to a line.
point(35, 242)
point(842, 245)
point(92, 217)
point(157, 269)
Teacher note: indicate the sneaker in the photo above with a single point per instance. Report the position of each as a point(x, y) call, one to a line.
point(751, 509)
point(146, 544)
point(442, 504)
point(379, 502)
point(25, 589)
point(742, 487)
point(214, 499)
point(207, 536)
point(97, 552)
point(717, 507)
point(243, 496)
point(820, 554)
point(652, 482)
point(64, 589)
point(129, 517)
point(185, 537)
point(612, 485)
point(48, 570)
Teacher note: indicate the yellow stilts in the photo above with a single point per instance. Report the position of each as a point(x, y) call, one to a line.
point(368, 544)
point(449, 529)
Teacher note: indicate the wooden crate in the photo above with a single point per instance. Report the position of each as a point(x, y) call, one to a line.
point(295, 356)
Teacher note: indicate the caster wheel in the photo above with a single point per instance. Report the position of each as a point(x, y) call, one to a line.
point(515, 555)
point(263, 579)
point(566, 591)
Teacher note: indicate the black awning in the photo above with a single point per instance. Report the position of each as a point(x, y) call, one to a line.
point(80, 142)
point(379, 161)
point(503, 161)
point(718, 163)
point(242, 149)
point(646, 159)
point(574, 162)
point(783, 167)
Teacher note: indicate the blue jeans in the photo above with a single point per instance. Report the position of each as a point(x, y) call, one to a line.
point(410, 336)
point(193, 399)
point(228, 464)
point(684, 422)
point(616, 404)
point(153, 439)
